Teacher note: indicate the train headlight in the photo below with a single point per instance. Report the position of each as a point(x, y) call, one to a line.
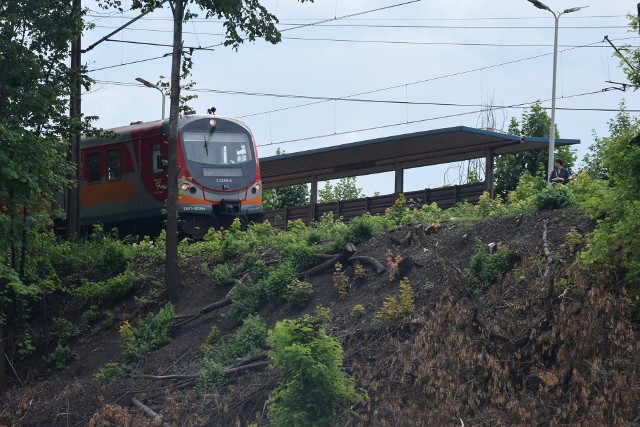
point(185, 186)
point(258, 187)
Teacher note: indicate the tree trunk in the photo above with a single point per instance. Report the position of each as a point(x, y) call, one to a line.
point(3, 366)
point(172, 281)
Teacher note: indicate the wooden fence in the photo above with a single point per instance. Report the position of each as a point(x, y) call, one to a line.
point(445, 198)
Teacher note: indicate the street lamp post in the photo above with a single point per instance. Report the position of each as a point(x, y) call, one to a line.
point(151, 85)
point(552, 127)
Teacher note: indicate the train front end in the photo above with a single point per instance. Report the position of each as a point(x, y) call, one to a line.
point(219, 176)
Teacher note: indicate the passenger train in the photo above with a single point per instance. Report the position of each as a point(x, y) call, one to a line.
point(124, 180)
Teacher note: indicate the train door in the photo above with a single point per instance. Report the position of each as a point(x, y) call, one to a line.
point(153, 174)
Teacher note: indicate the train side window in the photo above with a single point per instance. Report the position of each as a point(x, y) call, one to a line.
point(113, 163)
point(93, 162)
point(156, 159)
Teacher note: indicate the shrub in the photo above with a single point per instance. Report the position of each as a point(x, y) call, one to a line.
point(299, 293)
point(397, 308)
point(341, 281)
point(210, 376)
point(394, 265)
point(222, 277)
point(312, 389)
point(247, 340)
point(362, 228)
point(485, 268)
point(491, 208)
point(554, 196)
point(357, 311)
point(522, 199)
point(151, 333)
point(109, 373)
point(113, 289)
point(59, 358)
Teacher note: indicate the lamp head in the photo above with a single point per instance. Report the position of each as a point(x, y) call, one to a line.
point(146, 83)
point(574, 9)
point(539, 4)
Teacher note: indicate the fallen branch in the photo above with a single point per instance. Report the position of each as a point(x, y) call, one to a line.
point(348, 250)
point(157, 418)
point(546, 274)
point(250, 359)
point(203, 311)
point(371, 262)
point(190, 377)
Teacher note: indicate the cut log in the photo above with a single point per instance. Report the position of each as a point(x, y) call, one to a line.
point(181, 320)
point(371, 262)
point(148, 411)
point(348, 250)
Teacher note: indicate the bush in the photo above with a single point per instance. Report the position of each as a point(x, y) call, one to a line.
point(553, 196)
point(312, 389)
point(60, 357)
point(109, 373)
point(210, 376)
point(485, 268)
point(112, 290)
point(151, 333)
point(357, 311)
point(400, 307)
point(299, 293)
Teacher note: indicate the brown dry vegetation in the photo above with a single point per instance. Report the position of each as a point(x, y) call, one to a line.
point(521, 353)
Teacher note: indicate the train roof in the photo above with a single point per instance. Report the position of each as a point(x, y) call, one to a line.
point(155, 127)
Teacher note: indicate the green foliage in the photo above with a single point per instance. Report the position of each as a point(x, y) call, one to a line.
point(491, 208)
point(210, 376)
point(109, 373)
point(554, 196)
point(522, 198)
point(60, 357)
point(344, 189)
point(363, 228)
point(112, 290)
point(485, 268)
point(357, 311)
point(397, 308)
point(312, 390)
point(222, 277)
point(510, 167)
point(151, 333)
point(299, 293)
point(592, 195)
point(340, 281)
point(249, 339)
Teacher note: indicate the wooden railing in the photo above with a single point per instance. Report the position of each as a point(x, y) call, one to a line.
point(445, 198)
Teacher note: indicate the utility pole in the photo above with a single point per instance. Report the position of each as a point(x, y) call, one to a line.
point(75, 114)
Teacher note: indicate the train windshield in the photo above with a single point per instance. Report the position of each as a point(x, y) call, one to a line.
point(217, 148)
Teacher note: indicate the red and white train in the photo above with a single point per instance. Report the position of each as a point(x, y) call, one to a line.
point(124, 180)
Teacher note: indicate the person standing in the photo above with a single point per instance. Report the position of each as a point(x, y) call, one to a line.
point(559, 173)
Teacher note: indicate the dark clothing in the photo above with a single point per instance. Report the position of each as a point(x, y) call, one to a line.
point(563, 174)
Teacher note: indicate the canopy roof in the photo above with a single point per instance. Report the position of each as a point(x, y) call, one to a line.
point(394, 152)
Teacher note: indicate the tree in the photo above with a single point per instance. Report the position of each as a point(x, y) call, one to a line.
point(345, 189)
point(312, 387)
point(35, 86)
point(510, 167)
point(594, 162)
point(243, 20)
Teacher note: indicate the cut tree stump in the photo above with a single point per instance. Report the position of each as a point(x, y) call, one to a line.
point(348, 250)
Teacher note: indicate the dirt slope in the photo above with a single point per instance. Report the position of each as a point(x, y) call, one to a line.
point(520, 353)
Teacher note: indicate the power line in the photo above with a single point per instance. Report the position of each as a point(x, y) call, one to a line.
point(351, 15)
point(129, 63)
point(408, 122)
point(430, 43)
point(283, 21)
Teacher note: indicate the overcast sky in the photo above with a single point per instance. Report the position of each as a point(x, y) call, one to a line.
point(416, 54)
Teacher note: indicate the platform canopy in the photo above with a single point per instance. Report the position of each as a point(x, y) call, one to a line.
point(395, 153)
